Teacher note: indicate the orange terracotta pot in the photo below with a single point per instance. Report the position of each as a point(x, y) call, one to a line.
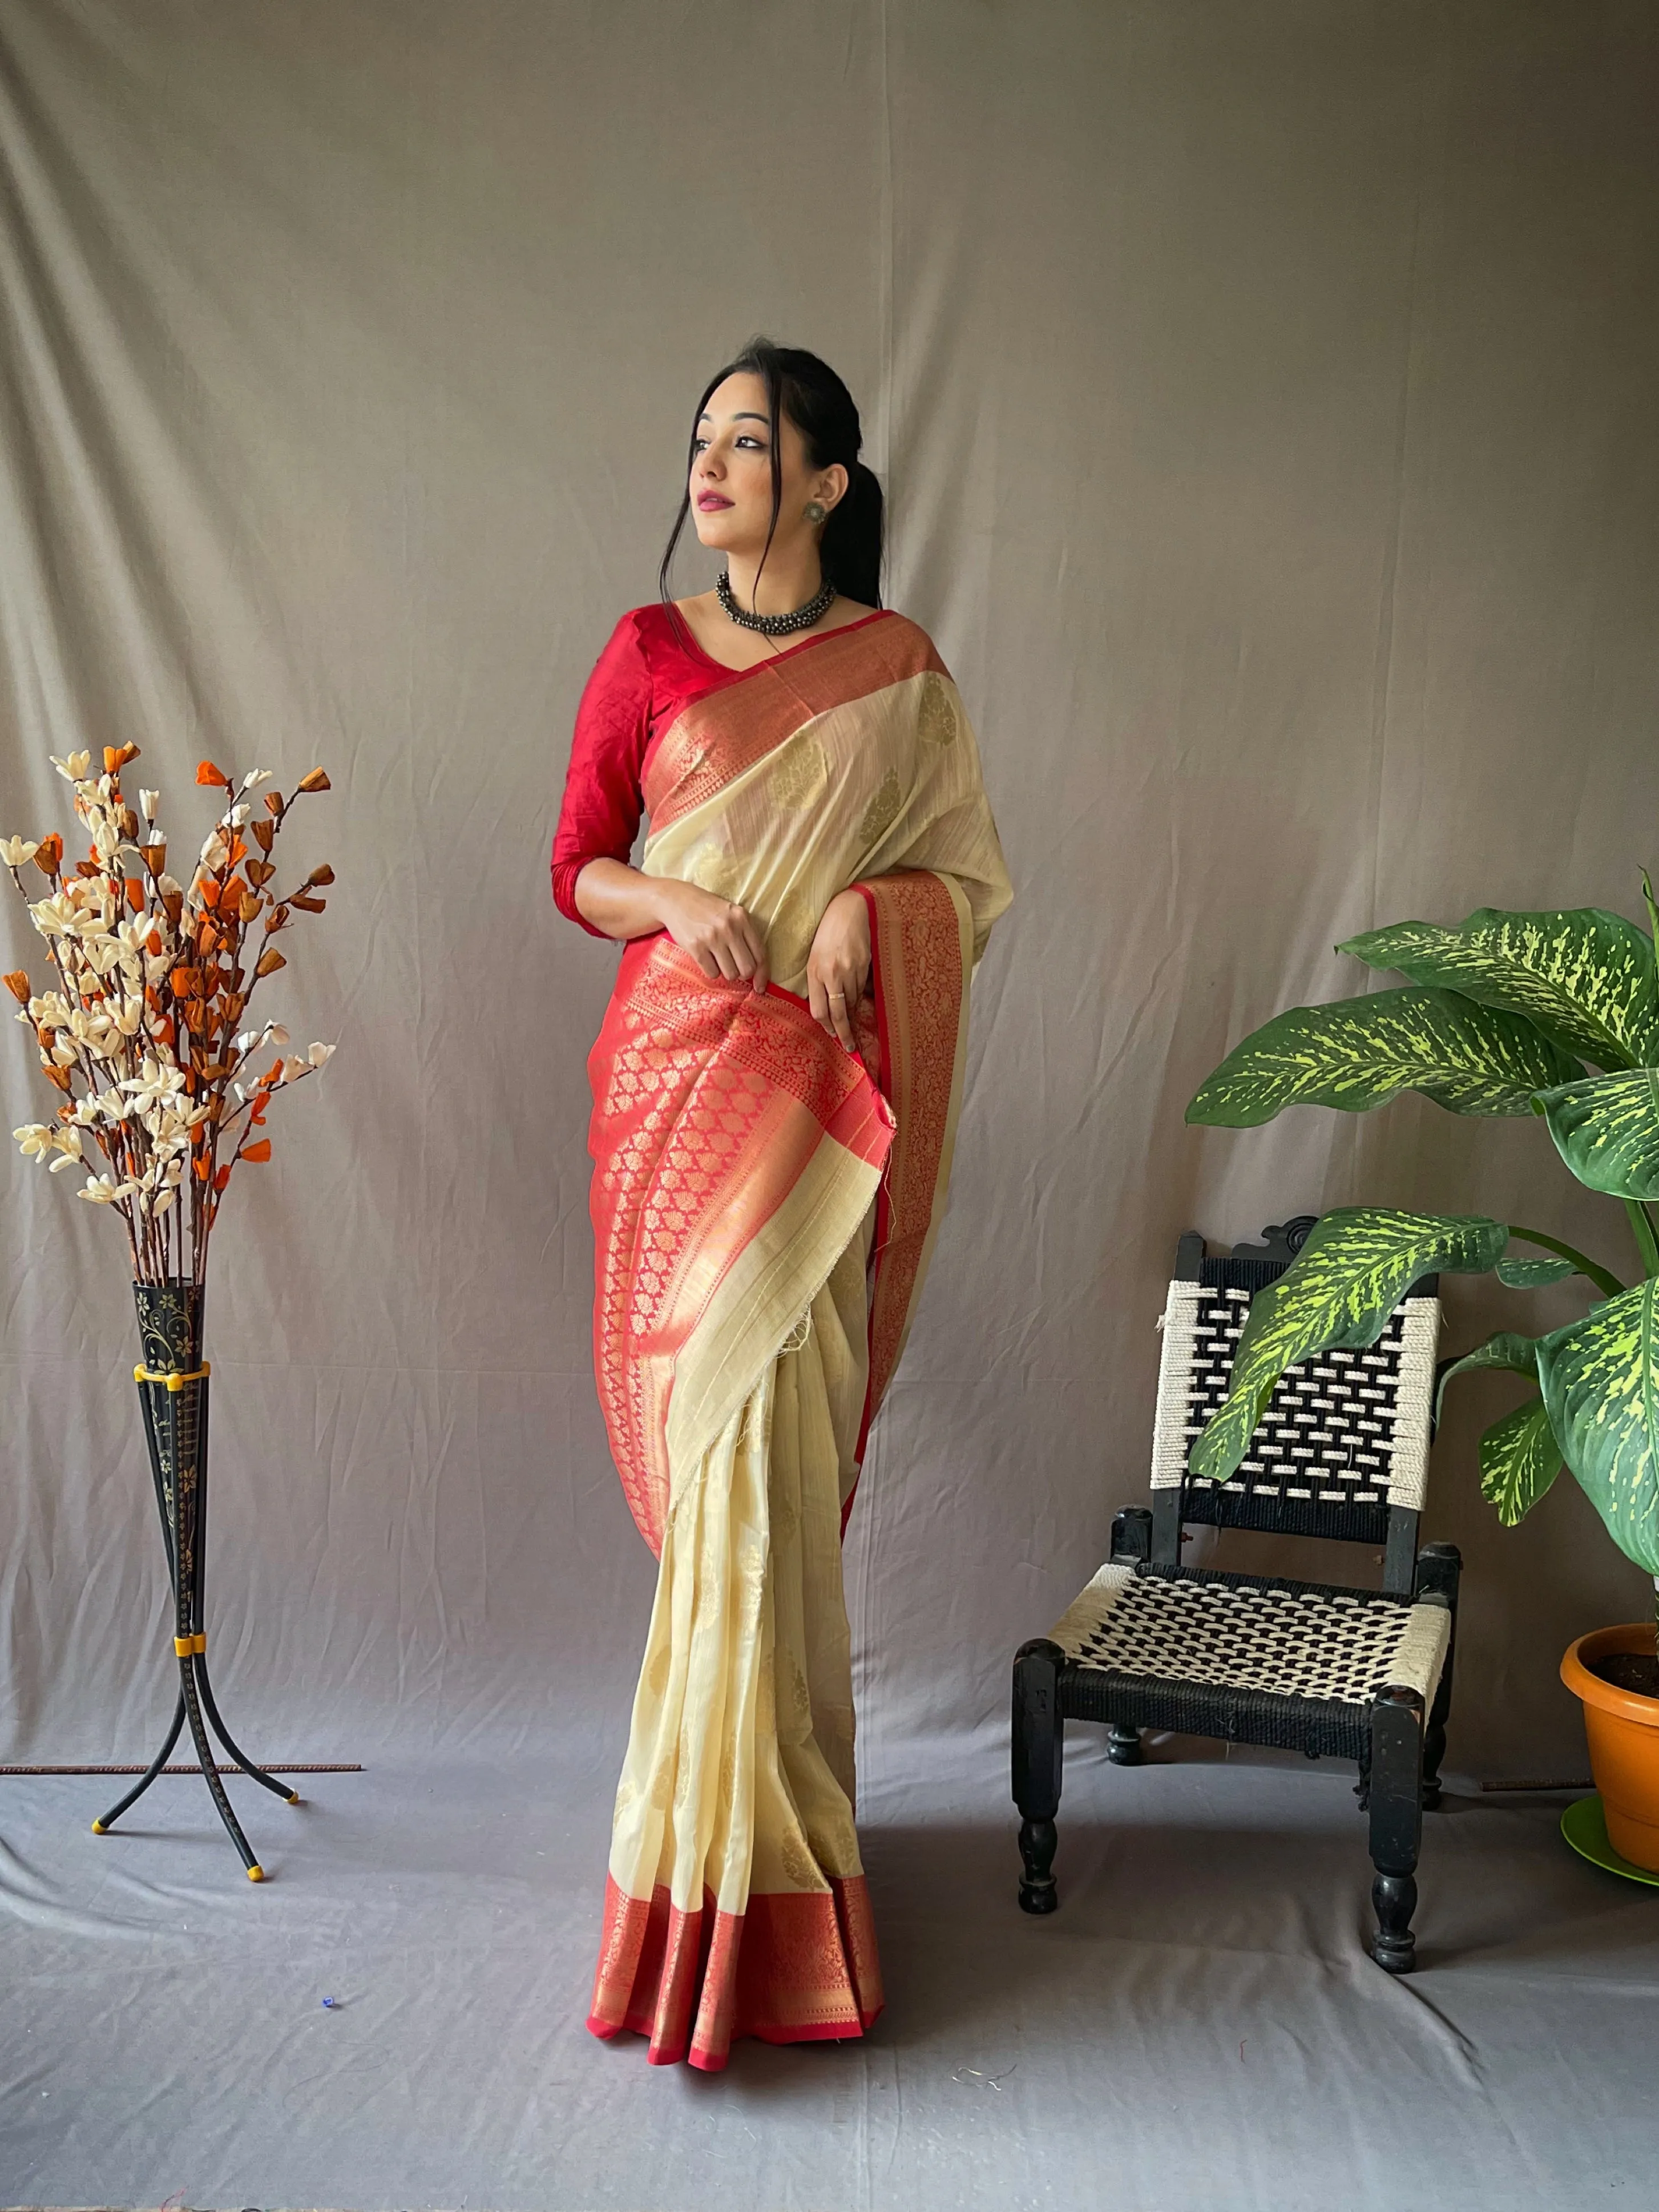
point(1623, 1728)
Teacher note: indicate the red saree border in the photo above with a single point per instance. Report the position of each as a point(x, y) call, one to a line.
point(722, 732)
point(795, 1966)
point(919, 977)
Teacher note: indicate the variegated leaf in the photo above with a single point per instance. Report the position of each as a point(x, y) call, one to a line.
point(1360, 1053)
point(1533, 1275)
point(1356, 1266)
point(1601, 1380)
point(1519, 1460)
point(1518, 1353)
point(1606, 1127)
point(1587, 977)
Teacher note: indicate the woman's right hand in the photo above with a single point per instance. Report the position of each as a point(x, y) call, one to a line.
point(721, 938)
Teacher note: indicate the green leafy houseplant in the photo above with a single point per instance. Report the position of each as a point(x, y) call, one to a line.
point(1552, 1014)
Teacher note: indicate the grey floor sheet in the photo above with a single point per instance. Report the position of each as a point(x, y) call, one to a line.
point(1198, 2027)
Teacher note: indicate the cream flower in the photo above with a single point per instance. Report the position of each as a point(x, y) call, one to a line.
point(155, 1085)
point(321, 1054)
point(14, 851)
point(100, 1190)
point(34, 1140)
point(147, 803)
point(69, 1150)
point(55, 916)
point(72, 769)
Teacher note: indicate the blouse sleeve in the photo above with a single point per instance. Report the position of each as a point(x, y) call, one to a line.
point(601, 816)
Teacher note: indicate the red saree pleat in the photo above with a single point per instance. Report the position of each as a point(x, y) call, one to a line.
point(794, 1968)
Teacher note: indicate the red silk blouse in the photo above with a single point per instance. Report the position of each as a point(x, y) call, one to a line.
point(650, 669)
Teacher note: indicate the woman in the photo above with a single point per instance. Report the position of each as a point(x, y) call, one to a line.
point(774, 1089)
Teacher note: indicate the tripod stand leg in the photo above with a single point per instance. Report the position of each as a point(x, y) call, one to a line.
point(210, 1772)
point(253, 1773)
point(103, 1827)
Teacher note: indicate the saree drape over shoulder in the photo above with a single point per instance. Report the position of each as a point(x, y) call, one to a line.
point(764, 1204)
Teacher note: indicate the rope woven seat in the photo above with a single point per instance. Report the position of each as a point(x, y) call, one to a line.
point(1341, 1452)
point(1243, 1656)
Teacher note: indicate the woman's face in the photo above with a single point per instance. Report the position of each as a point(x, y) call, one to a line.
point(730, 483)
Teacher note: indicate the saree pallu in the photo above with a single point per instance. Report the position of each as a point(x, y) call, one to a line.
point(764, 1205)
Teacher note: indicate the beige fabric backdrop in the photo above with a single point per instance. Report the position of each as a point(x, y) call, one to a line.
point(1265, 396)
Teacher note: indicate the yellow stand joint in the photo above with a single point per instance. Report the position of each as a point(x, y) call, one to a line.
point(174, 1382)
point(187, 1646)
point(99, 1829)
point(256, 1874)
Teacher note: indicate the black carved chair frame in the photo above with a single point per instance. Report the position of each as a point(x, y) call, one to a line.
point(1324, 1669)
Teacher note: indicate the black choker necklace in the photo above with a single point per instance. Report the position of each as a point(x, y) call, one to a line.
point(776, 625)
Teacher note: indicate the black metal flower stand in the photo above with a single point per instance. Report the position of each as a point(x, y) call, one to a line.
point(172, 1391)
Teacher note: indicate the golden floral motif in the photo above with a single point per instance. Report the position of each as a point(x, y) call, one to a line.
point(800, 778)
point(717, 873)
point(799, 1863)
point(883, 810)
point(937, 721)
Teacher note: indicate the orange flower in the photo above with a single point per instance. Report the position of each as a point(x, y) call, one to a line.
point(18, 984)
point(270, 961)
point(259, 1152)
point(206, 772)
point(135, 893)
point(221, 1178)
point(50, 853)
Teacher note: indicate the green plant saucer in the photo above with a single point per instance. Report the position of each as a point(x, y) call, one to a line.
point(1584, 1826)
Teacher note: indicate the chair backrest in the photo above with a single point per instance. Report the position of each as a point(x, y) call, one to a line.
point(1342, 1450)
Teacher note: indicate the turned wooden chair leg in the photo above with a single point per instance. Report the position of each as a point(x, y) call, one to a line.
point(1123, 1745)
point(1396, 1823)
point(1038, 1737)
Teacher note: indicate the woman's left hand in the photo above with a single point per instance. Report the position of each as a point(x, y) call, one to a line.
point(838, 966)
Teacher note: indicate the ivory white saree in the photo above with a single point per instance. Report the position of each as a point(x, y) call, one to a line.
point(764, 1205)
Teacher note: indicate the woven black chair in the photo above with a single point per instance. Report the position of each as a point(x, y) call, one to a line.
point(1341, 1451)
